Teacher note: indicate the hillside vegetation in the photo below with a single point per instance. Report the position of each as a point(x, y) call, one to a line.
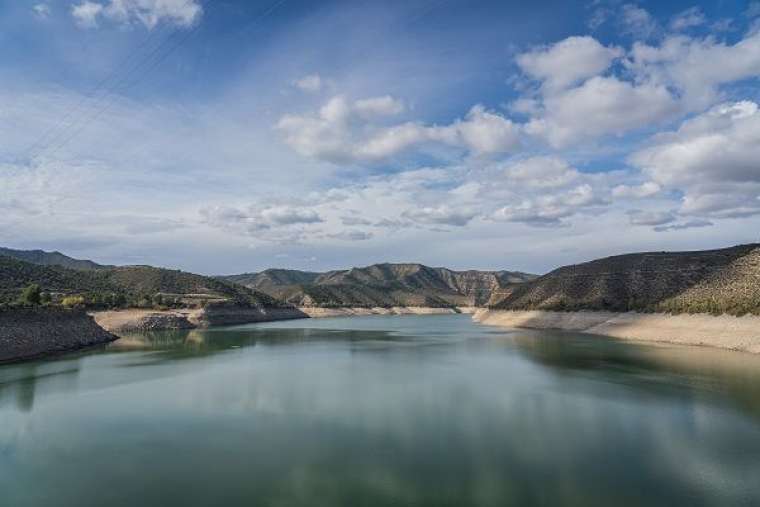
point(382, 285)
point(140, 286)
point(712, 281)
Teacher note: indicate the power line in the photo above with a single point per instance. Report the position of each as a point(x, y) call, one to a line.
point(154, 54)
point(81, 104)
point(129, 84)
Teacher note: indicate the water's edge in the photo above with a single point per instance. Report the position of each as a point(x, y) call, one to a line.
point(723, 331)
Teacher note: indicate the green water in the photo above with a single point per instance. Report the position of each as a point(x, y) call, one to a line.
point(428, 410)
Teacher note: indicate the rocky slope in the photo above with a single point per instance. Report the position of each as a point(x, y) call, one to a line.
point(713, 281)
point(30, 333)
point(383, 285)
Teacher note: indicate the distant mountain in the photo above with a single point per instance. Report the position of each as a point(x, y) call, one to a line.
point(50, 259)
point(382, 285)
point(711, 281)
point(132, 282)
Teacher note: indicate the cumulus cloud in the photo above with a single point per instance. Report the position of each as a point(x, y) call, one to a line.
point(549, 210)
point(694, 67)
point(601, 106)
point(86, 14)
point(568, 61)
point(590, 99)
point(542, 172)
point(712, 158)
point(275, 223)
point(149, 13)
point(344, 131)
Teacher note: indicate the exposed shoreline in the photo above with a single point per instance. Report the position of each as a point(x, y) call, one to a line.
point(34, 333)
point(131, 320)
point(321, 312)
point(723, 331)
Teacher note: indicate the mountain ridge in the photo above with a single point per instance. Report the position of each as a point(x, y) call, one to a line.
point(383, 284)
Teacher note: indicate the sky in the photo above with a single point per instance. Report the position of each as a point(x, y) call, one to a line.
point(224, 136)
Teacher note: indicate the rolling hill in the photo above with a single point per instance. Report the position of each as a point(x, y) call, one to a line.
point(50, 259)
point(711, 281)
point(382, 285)
point(132, 282)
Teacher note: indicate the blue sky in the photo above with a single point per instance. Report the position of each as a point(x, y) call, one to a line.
point(227, 136)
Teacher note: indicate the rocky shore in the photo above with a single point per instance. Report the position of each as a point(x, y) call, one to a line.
point(320, 312)
point(724, 331)
point(152, 320)
point(30, 333)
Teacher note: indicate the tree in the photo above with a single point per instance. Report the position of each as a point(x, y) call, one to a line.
point(31, 295)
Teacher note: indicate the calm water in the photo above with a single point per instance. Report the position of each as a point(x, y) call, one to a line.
point(431, 410)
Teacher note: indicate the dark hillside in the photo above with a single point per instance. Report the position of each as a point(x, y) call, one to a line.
point(712, 281)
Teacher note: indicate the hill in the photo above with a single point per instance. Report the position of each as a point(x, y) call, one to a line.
point(712, 281)
point(382, 285)
point(50, 259)
point(134, 285)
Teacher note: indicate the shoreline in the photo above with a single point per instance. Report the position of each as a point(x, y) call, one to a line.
point(316, 312)
point(29, 334)
point(723, 331)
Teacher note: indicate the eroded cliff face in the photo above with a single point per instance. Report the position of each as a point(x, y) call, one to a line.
point(30, 333)
point(383, 286)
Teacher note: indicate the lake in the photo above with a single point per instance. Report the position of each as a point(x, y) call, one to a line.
point(405, 410)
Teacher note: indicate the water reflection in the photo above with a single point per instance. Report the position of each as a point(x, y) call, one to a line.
point(662, 370)
point(383, 411)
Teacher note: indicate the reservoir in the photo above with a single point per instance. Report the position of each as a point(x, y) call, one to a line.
point(379, 411)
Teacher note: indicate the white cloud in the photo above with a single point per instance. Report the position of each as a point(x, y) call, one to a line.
point(549, 210)
point(345, 132)
point(86, 14)
point(646, 189)
point(568, 61)
point(440, 215)
point(41, 10)
point(696, 67)
point(310, 83)
point(642, 217)
point(691, 224)
point(712, 158)
point(601, 106)
point(351, 235)
point(379, 106)
point(688, 19)
point(637, 21)
point(542, 172)
point(149, 13)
